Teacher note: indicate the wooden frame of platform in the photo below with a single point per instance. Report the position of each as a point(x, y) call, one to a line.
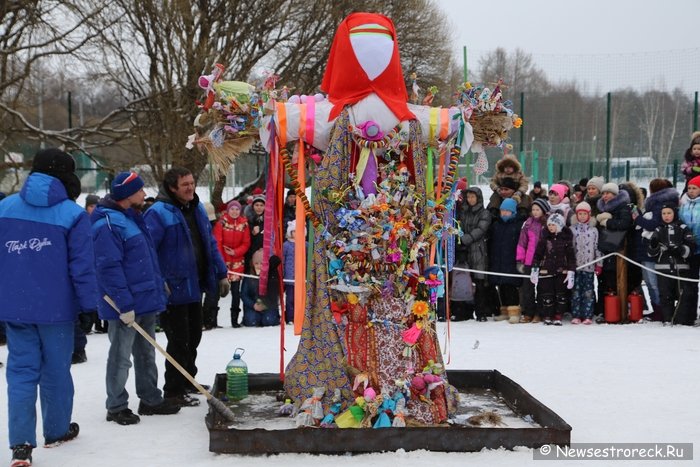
point(454, 438)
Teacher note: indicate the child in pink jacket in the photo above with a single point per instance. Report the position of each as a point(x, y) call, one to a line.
point(524, 254)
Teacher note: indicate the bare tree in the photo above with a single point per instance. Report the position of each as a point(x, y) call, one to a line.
point(154, 53)
point(36, 36)
point(517, 69)
point(658, 123)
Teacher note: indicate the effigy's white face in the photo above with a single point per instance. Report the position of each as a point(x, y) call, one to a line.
point(372, 50)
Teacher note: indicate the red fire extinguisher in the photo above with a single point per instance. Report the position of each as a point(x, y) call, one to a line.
point(612, 308)
point(635, 306)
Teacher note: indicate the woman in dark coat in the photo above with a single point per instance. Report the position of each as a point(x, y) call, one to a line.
point(636, 249)
point(475, 221)
point(503, 242)
point(615, 215)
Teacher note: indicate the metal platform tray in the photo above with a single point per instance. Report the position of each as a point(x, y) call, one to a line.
point(525, 422)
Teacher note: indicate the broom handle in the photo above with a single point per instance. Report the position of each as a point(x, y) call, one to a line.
point(160, 349)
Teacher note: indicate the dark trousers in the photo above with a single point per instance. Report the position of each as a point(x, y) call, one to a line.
point(235, 302)
point(79, 337)
point(289, 303)
point(210, 310)
point(554, 297)
point(669, 290)
point(183, 327)
point(688, 306)
point(485, 299)
point(528, 306)
point(508, 295)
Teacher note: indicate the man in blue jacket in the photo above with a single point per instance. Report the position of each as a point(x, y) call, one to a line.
point(127, 271)
point(191, 264)
point(48, 277)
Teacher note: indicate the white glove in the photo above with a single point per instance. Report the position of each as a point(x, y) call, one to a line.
point(128, 317)
point(569, 281)
point(535, 276)
point(224, 287)
point(603, 217)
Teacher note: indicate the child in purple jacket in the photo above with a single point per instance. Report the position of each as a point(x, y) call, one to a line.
point(586, 246)
point(524, 255)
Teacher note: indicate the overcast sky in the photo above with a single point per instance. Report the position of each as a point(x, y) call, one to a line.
point(630, 40)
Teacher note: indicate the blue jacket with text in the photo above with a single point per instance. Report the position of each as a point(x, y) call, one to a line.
point(47, 264)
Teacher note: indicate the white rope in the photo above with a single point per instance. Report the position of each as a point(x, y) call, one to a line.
point(527, 276)
point(654, 271)
point(288, 281)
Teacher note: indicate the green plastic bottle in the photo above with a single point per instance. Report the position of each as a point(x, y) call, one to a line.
point(237, 377)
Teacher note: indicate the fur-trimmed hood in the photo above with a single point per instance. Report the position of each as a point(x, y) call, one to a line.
point(620, 199)
point(508, 161)
point(635, 194)
point(657, 200)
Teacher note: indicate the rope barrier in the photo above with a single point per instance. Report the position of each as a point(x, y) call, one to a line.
point(234, 273)
point(527, 276)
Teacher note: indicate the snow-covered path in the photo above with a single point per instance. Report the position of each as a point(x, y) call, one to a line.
point(632, 383)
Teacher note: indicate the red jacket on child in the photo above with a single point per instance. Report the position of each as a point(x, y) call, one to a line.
point(234, 234)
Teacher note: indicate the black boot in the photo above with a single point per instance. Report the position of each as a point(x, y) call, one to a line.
point(234, 318)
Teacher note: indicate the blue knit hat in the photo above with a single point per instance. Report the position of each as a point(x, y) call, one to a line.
point(126, 184)
point(509, 204)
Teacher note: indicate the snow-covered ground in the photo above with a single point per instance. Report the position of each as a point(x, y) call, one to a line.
point(611, 383)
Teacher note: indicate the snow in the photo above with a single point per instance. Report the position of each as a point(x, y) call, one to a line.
point(611, 383)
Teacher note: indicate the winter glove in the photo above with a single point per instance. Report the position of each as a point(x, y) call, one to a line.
point(128, 317)
point(520, 267)
point(696, 169)
point(569, 281)
point(224, 287)
point(603, 216)
point(598, 270)
point(86, 320)
point(654, 242)
point(679, 251)
point(535, 276)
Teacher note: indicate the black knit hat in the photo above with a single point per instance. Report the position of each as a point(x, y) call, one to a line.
point(58, 164)
point(53, 161)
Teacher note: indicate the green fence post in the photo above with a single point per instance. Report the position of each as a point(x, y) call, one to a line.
point(627, 171)
point(535, 165)
point(550, 171)
point(561, 171)
point(675, 173)
point(590, 170)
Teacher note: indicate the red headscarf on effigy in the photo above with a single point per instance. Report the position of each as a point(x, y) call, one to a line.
point(346, 82)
